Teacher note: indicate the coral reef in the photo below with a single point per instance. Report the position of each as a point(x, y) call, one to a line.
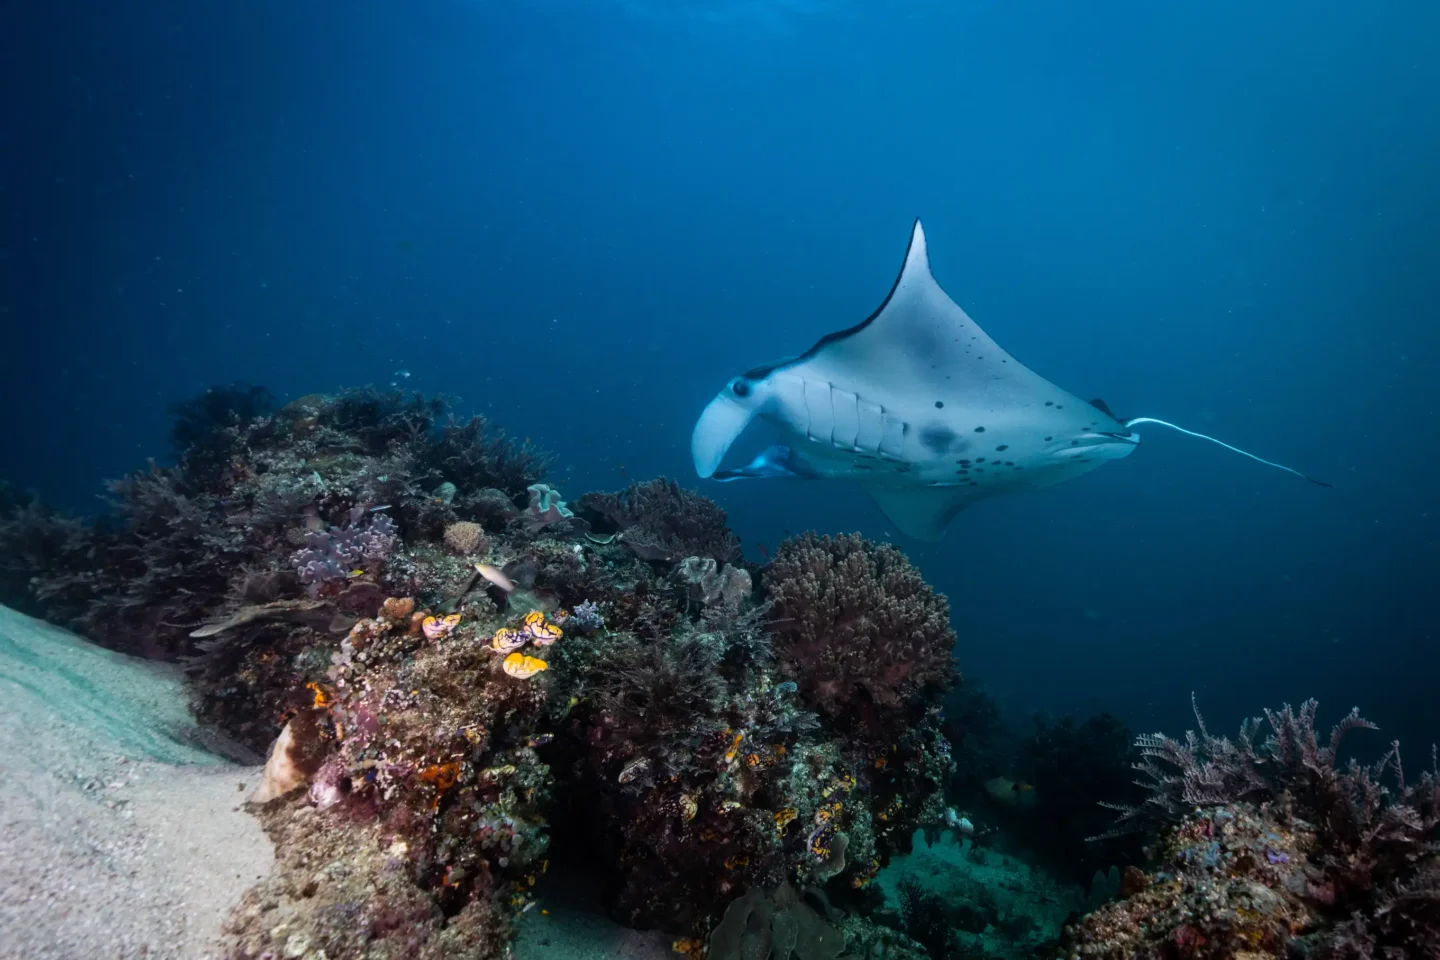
point(1272, 849)
point(969, 899)
point(659, 521)
point(858, 629)
point(452, 686)
point(188, 544)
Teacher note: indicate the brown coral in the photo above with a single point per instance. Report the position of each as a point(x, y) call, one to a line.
point(858, 628)
point(465, 537)
point(659, 521)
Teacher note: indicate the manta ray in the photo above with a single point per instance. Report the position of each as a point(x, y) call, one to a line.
point(922, 408)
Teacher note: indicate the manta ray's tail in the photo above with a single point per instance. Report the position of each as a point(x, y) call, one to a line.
point(1192, 433)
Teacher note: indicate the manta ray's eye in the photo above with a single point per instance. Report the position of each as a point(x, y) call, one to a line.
point(740, 388)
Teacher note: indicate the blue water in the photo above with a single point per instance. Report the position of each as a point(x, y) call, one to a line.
point(583, 217)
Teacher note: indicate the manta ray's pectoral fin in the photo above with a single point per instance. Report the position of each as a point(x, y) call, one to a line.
point(776, 461)
point(921, 512)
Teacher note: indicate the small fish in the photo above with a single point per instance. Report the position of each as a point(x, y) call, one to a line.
point(402, 374)
point(540, 739)
point(633, 769)
point(764, 550)
point(357, 572)
point(956, 821)
point(537, 628)
point(507, 639)
point(494, 575)
point(522, 667)
point(437, 628)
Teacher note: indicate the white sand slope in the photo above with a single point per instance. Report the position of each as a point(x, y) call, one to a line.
point(121, 835)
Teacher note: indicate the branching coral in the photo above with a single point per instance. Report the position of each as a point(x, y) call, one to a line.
point(859, 630)
point(1344, 867)
point(660, 521)
point(926, 919)
point(205, 427)
point(474, 455)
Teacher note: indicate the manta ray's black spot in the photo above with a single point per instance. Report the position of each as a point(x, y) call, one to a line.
point(974, 483)
point(1059, 407)
point(1048, 439)
point(940, 404)
point(963, 462)
point(1074, 443)
point(979, 459)
point(1003, 447)
point(1009, 463)
point(1049, 403)
point(937, 438)
point(740, 388)
point(979, 429)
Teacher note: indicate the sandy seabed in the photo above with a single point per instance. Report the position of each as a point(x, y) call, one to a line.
point(121, 829)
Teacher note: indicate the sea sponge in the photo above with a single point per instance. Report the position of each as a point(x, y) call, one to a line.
point(858, 629)
point(295, 756)
point(465, 537)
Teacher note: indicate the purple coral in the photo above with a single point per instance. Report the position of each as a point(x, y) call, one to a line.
point(329, 555)
point(586, 618)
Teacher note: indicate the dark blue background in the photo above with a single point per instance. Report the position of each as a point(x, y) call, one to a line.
point(583, 217)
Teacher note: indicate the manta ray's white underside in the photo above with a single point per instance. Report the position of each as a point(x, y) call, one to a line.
point(918, 405)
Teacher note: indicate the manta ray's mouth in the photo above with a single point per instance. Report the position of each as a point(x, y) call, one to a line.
point(1126, 437)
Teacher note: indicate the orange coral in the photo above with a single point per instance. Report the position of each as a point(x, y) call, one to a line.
point(398, 608)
